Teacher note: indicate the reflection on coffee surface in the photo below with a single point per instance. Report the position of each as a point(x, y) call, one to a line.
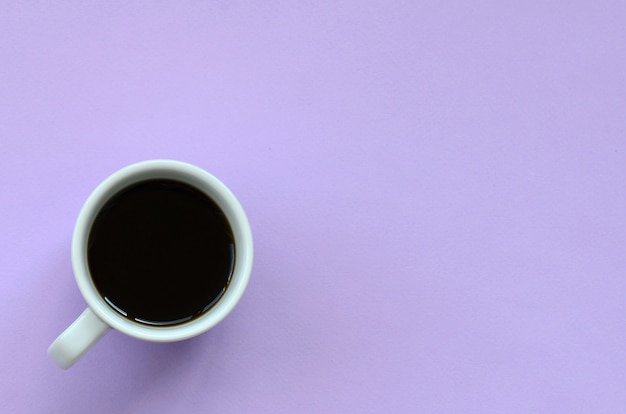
point(161, 252)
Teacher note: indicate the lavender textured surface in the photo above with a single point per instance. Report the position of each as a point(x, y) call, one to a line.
point(437, 191)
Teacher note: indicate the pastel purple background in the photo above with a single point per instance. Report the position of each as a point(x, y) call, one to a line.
point(437, 191)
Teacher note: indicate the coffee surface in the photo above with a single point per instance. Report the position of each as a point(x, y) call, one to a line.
point(161, 252)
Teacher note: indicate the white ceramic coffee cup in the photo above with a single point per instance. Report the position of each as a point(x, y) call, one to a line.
point(99, 317)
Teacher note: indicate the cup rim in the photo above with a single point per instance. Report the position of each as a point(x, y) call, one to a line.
point(202, 180)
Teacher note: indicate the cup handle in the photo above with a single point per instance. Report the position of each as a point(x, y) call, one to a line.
point(77, 339)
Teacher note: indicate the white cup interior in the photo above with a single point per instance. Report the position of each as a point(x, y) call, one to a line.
point(202, 180)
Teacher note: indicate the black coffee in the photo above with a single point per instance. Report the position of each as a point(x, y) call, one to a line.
point(161, 252)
